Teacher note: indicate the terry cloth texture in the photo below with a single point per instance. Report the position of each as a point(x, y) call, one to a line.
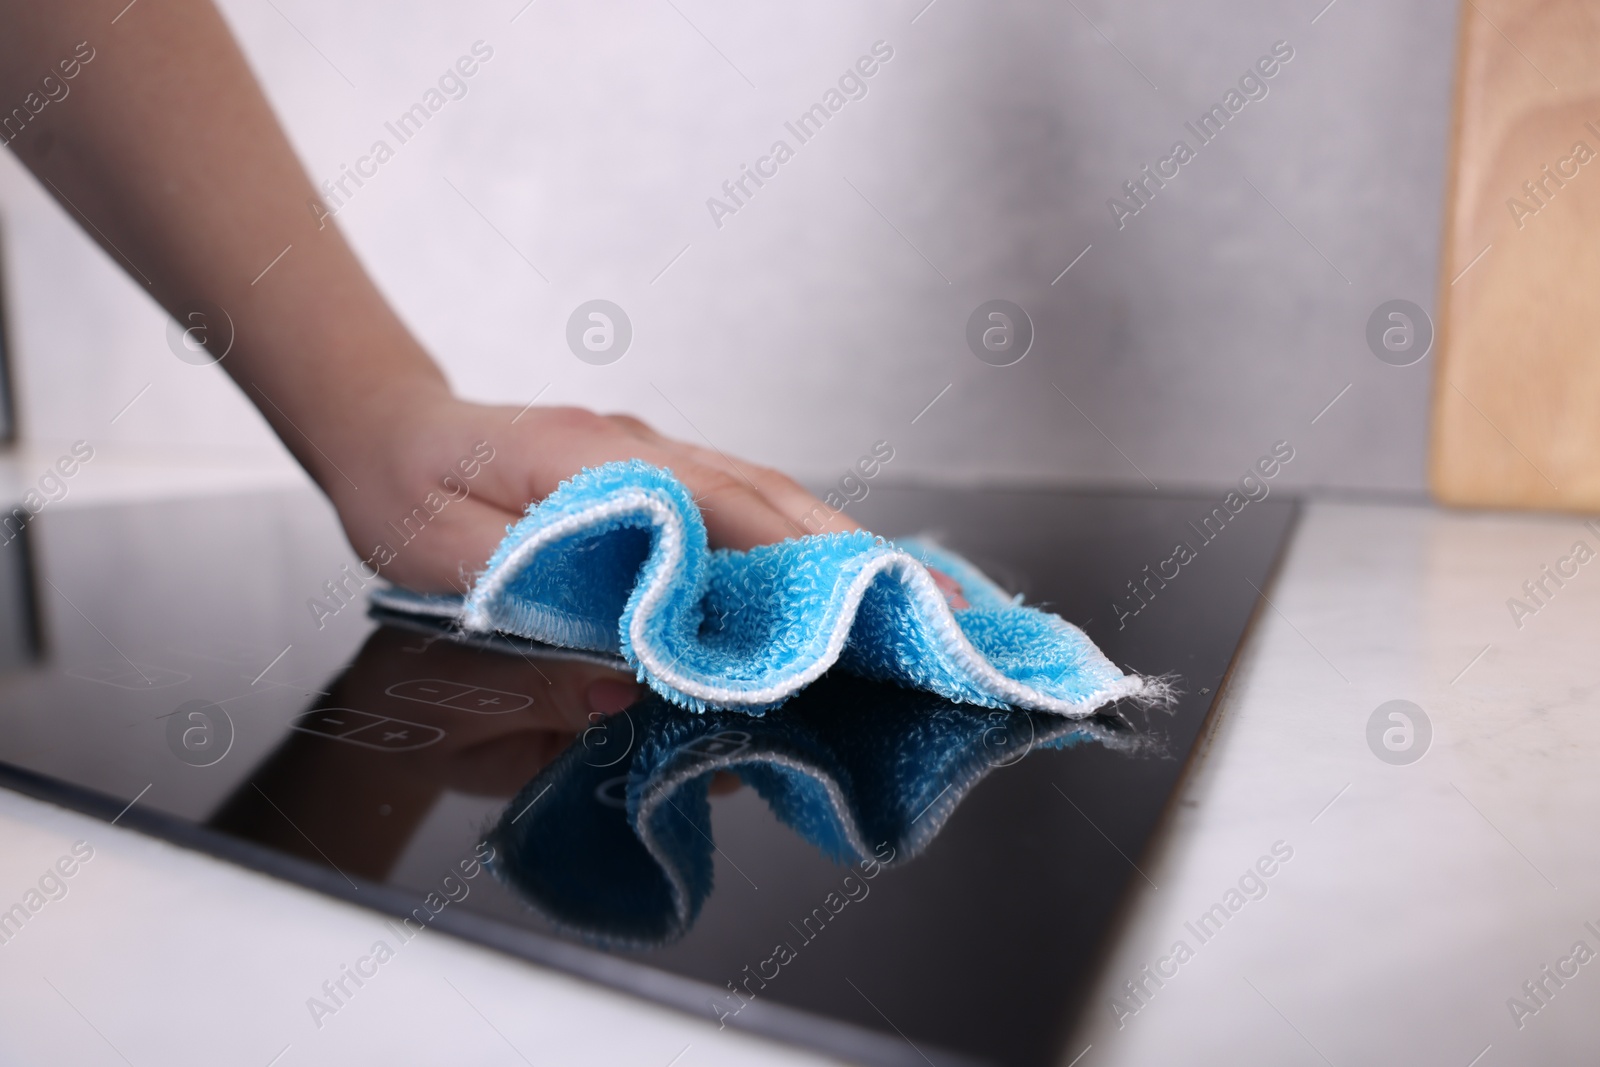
point(616, 560)
point(620, 851)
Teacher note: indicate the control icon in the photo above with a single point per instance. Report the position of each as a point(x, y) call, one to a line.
point(459, 695)
point(368, 730)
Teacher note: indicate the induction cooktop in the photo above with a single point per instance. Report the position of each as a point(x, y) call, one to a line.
point(878, 874)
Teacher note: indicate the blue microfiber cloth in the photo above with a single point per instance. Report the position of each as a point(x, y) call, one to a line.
point(616, 560)
point(620, 850)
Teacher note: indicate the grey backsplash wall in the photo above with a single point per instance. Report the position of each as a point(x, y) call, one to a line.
point(831, 308)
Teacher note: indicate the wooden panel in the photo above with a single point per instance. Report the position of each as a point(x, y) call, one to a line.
point(1516, 418)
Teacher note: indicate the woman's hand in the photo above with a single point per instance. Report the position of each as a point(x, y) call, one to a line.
point(206, 192)
point(387, 472)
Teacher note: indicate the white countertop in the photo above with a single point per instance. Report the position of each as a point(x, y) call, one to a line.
point(1418, 901)
point(1418, 898)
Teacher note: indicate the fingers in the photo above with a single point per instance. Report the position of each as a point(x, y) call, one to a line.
point(736, 513)
point(808, 513)
point(743, 504)
point(448, 552)
point(635, 428)
point(609, 695)
point(950, 588)
point(803, 512)
point(725, 782)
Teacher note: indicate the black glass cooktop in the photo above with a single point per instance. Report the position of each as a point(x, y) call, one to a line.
point(876, 873)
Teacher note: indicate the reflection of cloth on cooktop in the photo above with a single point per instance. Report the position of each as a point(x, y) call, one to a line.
point(616, 560)
point(620, 850)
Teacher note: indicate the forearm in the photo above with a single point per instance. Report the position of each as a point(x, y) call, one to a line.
point(164, 148)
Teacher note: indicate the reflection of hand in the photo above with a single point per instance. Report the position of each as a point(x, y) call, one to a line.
point(485, 755)
point(361, 806)
point(497, 755)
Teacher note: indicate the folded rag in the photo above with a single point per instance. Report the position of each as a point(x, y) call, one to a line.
point(620, 851)
point(616, 560)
